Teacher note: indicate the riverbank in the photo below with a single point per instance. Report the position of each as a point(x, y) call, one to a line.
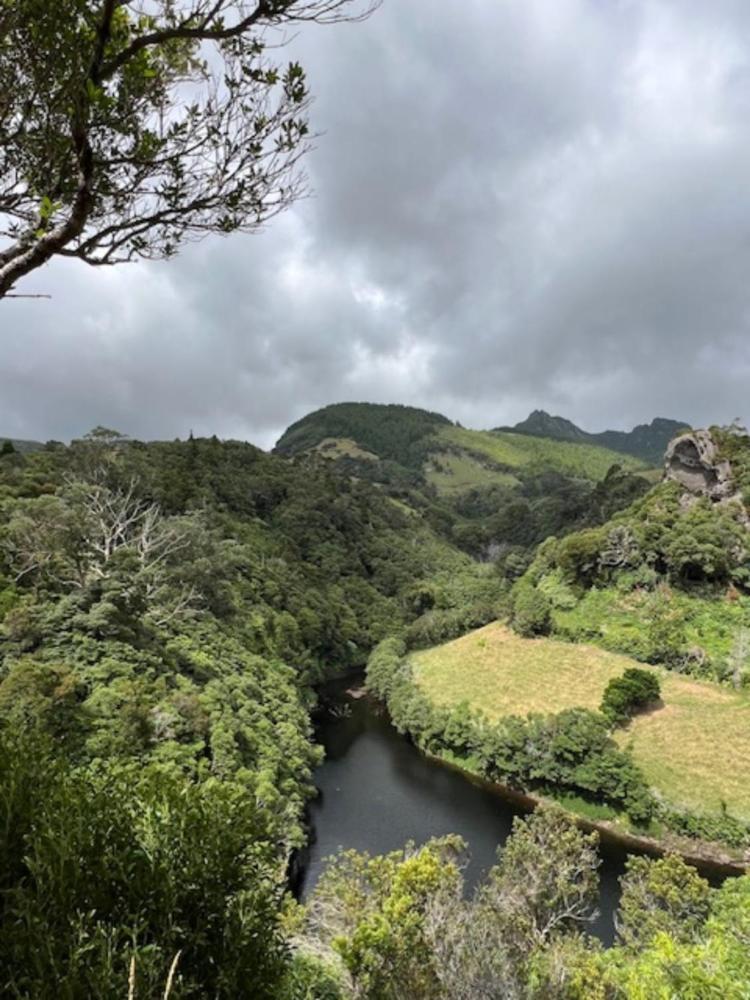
point(378, 791)
point(693, 748)
point(712, 860)
point(572, 750)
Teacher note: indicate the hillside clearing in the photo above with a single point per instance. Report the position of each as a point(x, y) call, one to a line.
point(452, 473)
point(694, 750)
point(519, 450)
point(344, 448)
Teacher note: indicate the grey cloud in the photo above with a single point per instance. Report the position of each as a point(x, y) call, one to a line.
point(516, 205)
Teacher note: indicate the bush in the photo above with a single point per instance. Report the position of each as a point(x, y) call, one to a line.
point(724, 829)
point(578, 555)
point(625, 695)
point(558, 592)
point(532, 611)
point(666, 636)
point(119, 861)
point(571, 750)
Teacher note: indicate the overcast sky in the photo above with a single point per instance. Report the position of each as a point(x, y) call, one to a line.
point(518, 204)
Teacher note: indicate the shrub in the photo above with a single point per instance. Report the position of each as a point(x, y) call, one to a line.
point(532, 611)
point(666, 637)
point(115, 862)
point(558, 592)
point(724, 829)
point(578, 555)
point(625, 695)
point(571, 750)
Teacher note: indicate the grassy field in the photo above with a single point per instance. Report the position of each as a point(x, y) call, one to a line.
point(451, 473)
point(519, 450)
point(344, 448)
point(694, 749)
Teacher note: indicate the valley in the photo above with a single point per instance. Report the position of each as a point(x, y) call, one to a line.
point(172, 613)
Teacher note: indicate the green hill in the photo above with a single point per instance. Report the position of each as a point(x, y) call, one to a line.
point(666, 580)
point(450, 457)
point(391, 432)
point(647, 442)
point(511, 451)
point(492, 493)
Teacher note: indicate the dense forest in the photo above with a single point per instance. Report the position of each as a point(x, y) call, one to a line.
point(511, 492)
point(165, 609)
point(168, 608)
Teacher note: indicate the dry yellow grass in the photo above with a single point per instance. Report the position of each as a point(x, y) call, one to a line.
point(694, 750)
point(502, 674)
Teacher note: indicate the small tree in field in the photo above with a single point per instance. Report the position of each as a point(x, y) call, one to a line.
point(626, 695)
point(130, 126)
point(531, 611)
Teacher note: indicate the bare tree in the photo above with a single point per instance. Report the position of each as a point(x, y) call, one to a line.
point(130, 126)
point(81, 537)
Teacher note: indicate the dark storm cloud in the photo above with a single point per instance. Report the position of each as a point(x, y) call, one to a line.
point(518, 204)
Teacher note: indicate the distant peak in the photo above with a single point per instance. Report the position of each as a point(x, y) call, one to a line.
point(646, 441)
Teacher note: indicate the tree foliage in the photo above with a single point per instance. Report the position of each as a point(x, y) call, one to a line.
point(128, 127)
point(402, 924)
point(164, 609)
point(626, 695)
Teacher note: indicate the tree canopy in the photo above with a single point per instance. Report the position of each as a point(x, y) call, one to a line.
point(130, 126)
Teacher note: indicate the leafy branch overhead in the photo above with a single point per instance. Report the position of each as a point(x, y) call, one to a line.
point(130, 126)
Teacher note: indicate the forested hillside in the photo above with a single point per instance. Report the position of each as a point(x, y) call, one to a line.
point(666, 580)
point(411, 437)
point(495, 495)
point(165, 608)
point(392, 432)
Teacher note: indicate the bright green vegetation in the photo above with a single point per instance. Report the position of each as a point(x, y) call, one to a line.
point(451, 473)
point(400, 925)
point(666, 580)
point(517, 451)
point(164, 609)
point(697, 630)
point(494, 495)
point(647, 442)
point(693, 748)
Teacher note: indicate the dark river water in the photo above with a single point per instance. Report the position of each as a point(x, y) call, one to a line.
point(377, 792)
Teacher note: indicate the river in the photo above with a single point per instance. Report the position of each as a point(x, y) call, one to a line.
point(377, 791)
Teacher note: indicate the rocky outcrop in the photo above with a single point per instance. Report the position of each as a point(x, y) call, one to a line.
point(693, 461)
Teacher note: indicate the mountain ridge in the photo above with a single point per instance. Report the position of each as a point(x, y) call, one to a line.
point(645, 441)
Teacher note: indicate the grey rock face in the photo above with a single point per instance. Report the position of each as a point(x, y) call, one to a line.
point(693, 461)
